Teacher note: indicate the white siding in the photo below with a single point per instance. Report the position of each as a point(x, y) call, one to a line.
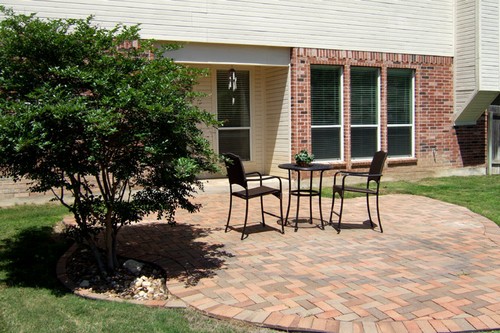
point(205, 86)
point(466, 50)
point(402, 26)
point(489, 71)
point(278, 129)
point(477, 60)
point(258, 109)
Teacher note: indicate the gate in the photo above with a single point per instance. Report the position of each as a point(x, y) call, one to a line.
point(494, 141)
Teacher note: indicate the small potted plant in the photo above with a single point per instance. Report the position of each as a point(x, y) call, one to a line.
point(303, 158)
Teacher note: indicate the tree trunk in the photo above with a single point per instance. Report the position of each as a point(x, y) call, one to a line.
point(110, 244)
point(98, 257)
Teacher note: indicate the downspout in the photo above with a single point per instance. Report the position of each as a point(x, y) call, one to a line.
point(490, 142)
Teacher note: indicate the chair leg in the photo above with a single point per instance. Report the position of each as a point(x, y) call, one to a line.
point(341, 210)
point(262, 211)
point(230, 208)
point(368, 208)
point(333, 206)
point(281, 214)
point(246, 218)
point(378, 216)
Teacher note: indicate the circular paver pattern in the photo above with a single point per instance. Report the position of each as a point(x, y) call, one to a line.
point(436, 267)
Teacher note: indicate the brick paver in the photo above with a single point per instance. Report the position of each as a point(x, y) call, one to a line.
point(436, 267)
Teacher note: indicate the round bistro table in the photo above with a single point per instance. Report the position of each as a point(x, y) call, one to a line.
point(308, 192)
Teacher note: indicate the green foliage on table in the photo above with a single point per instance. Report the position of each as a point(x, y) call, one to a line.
point(303, 158)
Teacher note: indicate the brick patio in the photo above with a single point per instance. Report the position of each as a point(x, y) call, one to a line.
point(436, 267)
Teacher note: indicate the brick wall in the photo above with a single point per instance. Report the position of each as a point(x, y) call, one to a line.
point(438, 144)
point(9, 189)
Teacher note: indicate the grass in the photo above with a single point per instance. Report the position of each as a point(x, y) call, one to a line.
point(33, 300)
point(481, 194)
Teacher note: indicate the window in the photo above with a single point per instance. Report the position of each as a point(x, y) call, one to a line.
point(326, 112)
point(400, 112)
point(233, 109)
point(364, 112)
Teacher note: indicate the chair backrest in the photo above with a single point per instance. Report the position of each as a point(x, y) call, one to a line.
point(377, 165)
point(235, 170)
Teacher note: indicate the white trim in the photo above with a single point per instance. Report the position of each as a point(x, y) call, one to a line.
point(413, 134)
point(379, 108)
point(489, 141)
point(342, 114)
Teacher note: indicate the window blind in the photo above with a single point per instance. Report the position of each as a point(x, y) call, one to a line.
point(233, 109)
point(325, 95)
point(400, 96)
point(364, 112)
point(326, 112)
point(364, 96)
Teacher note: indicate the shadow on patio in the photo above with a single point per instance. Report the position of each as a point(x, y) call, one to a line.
point(435, 268)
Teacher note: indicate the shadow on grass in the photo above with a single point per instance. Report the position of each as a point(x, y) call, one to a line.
point(29, 259)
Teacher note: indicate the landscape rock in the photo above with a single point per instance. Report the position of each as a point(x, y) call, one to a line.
point(85, 284)
point(133, 266)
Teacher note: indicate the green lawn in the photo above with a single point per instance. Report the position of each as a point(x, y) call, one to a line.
point(33, 300)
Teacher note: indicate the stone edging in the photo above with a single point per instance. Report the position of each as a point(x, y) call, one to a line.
point(62, 275)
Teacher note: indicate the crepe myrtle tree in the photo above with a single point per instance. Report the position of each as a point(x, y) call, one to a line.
point(102, 119)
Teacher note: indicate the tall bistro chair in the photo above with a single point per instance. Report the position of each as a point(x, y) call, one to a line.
point(237, 176)
point(371, 187)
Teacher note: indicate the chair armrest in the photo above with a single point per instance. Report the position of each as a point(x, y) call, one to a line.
point(255, 173)
point(346, 174)
point(261, 179)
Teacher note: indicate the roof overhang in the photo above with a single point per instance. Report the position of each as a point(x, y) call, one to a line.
point(475, 107)
point(199, 53)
